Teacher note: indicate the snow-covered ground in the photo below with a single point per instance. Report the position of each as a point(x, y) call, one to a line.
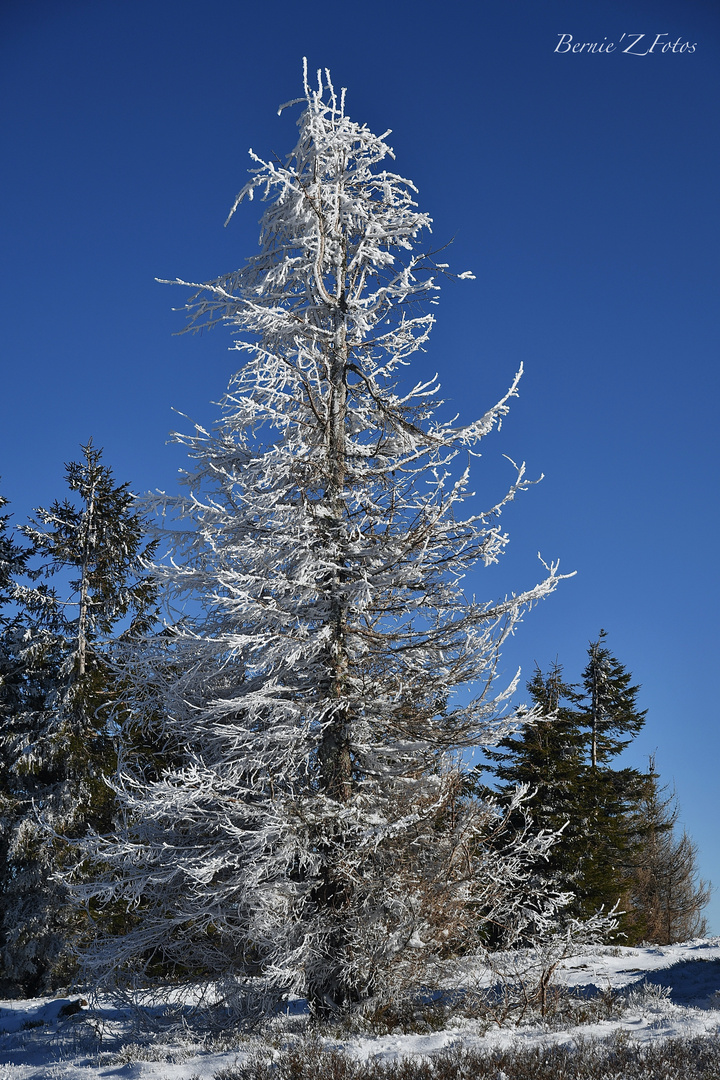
point(671, 991)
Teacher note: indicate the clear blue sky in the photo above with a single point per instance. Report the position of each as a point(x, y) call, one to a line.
point(581, 189)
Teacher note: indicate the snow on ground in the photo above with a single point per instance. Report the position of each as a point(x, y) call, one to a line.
point(672, 991)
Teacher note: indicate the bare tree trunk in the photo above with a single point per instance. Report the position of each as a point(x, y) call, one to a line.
point(330, 992)
point(594, 708)
point(335, 758)
point(84, 574)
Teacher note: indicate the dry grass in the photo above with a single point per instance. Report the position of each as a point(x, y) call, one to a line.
point(676, 1059)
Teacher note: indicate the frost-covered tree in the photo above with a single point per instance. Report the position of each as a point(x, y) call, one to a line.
point(56, 741)
point(313, 829)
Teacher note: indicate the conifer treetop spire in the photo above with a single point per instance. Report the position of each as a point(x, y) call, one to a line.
point(339, 241)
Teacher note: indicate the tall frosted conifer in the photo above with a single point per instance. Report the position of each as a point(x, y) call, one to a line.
point(314, 828)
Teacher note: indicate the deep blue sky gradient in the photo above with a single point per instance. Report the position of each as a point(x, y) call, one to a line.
point(582, 191)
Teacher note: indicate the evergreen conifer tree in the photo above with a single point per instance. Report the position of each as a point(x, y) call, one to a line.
point(611, 714)
point(547, 754)
point(566, 757)
point(13, 559)
point(56, 742)
point(314, 830)
point(667, 897)
point(12, 563)
point(609, 795)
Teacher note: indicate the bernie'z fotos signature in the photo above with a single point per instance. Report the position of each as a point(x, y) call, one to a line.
point(635, 45)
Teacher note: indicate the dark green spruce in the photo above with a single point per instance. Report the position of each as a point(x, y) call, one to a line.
point(568, 757)
point(82, 583)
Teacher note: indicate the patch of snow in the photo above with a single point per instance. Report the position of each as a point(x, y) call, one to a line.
point(672, 991)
